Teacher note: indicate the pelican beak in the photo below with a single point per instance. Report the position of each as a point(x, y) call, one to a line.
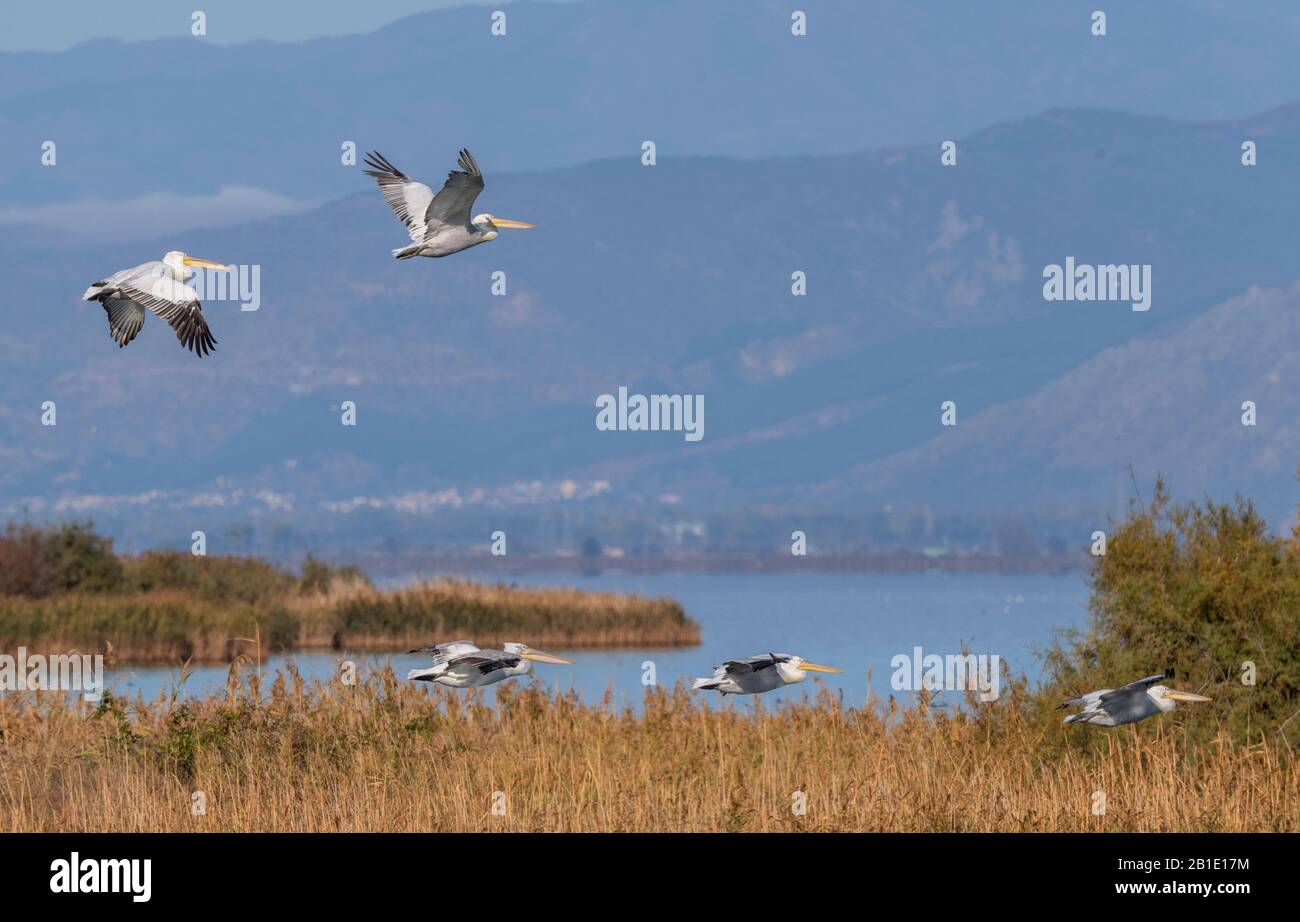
point(1185, 696)
point(538, 656)
point(813, 667)
point(518, 225)
point(204, 263)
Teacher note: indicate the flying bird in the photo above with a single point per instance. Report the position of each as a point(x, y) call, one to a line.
point(440, 224)
point(757, 674)
point(160, 287)
point(1112, 707)
point(461, 664)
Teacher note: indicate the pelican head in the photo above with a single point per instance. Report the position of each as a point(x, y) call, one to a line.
point(531, 656)
point(489, 224)
point(178, 263)
point(796, 668)
point(1167, 698)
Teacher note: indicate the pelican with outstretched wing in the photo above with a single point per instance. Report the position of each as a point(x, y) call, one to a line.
point(1114, 707)
point(461, 664)
point(440, 224)
point(158, 286)
point(757, 674)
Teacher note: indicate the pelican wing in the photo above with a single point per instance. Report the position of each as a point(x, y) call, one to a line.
point(178, 304)
point(1132, 705)
point(1125, 704)
point(750, 664)
point(125, 319)
point(444, 651)
point(1138, 687)
point(482, 662)
point(1093, 701)
point(408, 198)
point(452, 205)
point(1087, 702)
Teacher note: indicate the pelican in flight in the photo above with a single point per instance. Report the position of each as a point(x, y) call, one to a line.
point(1112, 707)
point(757, 674)
point(160, 287)
point(440, 224)
point(461, 664)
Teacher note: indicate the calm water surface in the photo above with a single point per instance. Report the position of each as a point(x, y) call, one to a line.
point(856, 621)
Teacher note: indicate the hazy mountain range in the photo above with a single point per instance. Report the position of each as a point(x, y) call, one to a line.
point(924, 284)
point(211, 132)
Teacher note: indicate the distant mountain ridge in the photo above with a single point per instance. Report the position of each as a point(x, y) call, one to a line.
point(575, 82)
point(924, 285)
point(1174, 404)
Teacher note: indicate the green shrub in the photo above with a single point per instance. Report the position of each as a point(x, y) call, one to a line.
point(36, 561)
point(1204, 590)
point(318, 576)
point(280, 629)
point(217, 579)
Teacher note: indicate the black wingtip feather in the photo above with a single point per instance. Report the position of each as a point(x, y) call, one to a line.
point(467, 162)
point(379, 162)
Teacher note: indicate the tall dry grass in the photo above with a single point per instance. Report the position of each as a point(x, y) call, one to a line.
point(387, 755)
point(158, 625)
point(361, 618)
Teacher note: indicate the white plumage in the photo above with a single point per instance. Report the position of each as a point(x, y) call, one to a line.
point(158, 286)
point(440, 224)
point(1113, 707)
point(461, 664)
point(756, 674)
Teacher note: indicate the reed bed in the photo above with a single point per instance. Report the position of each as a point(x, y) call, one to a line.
point(158, 625)
point(494, 614)
point(388, 755)
point(169, 625)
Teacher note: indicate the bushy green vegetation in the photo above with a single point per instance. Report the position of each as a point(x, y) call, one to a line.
point(1203, 590)
point(37, 562)
point(319, 577)
point(214, 579)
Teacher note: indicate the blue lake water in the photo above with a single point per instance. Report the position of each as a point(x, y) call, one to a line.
point(855, 621)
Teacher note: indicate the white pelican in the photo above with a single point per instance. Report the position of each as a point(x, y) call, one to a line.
point(758, 674)
point(160, 287)
point(440, 224)
point(1112, 707)
point(460, 664)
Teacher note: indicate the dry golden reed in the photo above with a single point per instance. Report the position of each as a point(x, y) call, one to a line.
point(363, 619)
point(391, 755)
point(169, 625)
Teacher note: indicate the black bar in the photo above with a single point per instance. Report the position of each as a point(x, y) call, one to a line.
point(663, 874)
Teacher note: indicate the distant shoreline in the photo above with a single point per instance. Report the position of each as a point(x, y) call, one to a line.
point(64, 589)
point(483, 565)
